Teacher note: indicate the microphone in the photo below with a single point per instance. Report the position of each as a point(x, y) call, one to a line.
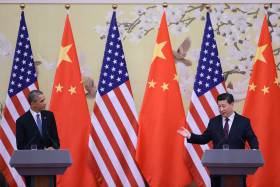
point(53, 142)
point(49, 136)
point(240, 137)
point(220, 142)
point(244, 142)
point(31, 140)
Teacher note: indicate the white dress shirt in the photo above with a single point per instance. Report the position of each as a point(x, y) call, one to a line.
point(34, 114)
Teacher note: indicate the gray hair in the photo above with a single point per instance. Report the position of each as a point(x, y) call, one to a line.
point(33, 95)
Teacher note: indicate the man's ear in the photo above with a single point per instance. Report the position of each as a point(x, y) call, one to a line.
point(31, 104)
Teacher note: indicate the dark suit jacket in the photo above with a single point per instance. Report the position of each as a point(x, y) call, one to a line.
point(27, 132)
point(240, 132)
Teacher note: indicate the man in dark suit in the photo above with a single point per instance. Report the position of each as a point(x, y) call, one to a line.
point(3, 182)
point(37, 127)
point(229, 129)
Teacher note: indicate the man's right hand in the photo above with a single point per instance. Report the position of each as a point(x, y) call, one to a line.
point(184, 132)
point(49, 148)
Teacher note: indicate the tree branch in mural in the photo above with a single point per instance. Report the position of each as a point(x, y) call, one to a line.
point(235, 31)
point(233, 71)
point(233, 25)
point(147, 19)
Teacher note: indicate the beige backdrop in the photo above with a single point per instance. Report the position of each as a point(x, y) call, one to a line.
point(237, 29)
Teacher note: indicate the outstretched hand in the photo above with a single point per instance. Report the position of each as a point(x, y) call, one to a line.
point(50, 148)
point(184, 132)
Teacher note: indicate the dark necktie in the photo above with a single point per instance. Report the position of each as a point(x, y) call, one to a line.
point(226, 128)
point(39, 123)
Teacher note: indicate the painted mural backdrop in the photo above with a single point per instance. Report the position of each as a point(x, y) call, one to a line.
point(237, 29)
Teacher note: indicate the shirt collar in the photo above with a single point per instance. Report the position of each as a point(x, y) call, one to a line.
point(35, 113)
point(231, 117)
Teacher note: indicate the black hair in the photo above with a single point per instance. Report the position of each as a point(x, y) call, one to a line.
point(226, 96)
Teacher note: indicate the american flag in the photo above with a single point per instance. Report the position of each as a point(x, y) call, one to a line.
point(23, 79)
point(113, 136)
point(209, 83)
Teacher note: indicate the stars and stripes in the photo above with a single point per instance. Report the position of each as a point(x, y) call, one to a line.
point(114, 72)
point(207, 86)
point(23, 79)
point(114, 121)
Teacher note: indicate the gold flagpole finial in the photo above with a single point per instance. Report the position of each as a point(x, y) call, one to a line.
point(22, 6)
point(266, 6)
point(67, 6)
point(164, 5)
point(114, 6)
point(208, 7)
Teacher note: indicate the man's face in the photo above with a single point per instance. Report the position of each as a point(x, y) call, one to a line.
point(39, 104)
point(225, 108)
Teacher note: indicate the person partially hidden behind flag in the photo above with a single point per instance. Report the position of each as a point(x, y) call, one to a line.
point(229, 130)
point(36, 129)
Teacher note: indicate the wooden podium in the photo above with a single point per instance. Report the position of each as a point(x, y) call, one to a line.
point(232, 164)
point(41, 165)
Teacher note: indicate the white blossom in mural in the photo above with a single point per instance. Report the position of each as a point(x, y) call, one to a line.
point(6, 49)
point(233, 25)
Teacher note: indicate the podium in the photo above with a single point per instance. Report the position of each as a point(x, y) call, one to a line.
point(41, 165)
point(232, 164)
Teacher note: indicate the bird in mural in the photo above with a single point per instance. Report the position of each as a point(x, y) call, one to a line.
point(181, 53)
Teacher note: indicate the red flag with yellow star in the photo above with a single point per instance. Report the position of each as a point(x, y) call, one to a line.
point(262, 106)
point(160, 150)
point(68, 102)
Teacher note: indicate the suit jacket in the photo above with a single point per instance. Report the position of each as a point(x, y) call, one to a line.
point(27, 132)
point(240, 132)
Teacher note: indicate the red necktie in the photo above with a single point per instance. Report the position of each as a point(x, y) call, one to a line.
point(226, 128)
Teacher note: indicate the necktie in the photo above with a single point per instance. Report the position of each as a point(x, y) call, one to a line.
point(226, 128)
point(39, 123)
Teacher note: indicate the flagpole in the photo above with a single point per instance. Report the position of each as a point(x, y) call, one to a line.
point(67, 7)
point(266, 7)
point(164, 5)
point(114, 6)
point(22, 6)
point(208, 7)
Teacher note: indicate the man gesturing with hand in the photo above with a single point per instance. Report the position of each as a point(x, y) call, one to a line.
point(228, 129)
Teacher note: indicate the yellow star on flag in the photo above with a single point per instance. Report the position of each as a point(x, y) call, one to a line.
point(158, 50)
point(176, 77)
point(276, 81)
point(152, 84)
point(58, 88)
point(252, 87)
point(259, 53)
point(72, 90)
point(164, 86)
point(265, 90)
point(63, 54)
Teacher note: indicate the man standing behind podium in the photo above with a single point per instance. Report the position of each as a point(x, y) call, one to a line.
point(37, 127)
point(229, 129)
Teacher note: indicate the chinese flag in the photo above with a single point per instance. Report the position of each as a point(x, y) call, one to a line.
point(69, 105)
point(262, 106)
point(160, 150)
